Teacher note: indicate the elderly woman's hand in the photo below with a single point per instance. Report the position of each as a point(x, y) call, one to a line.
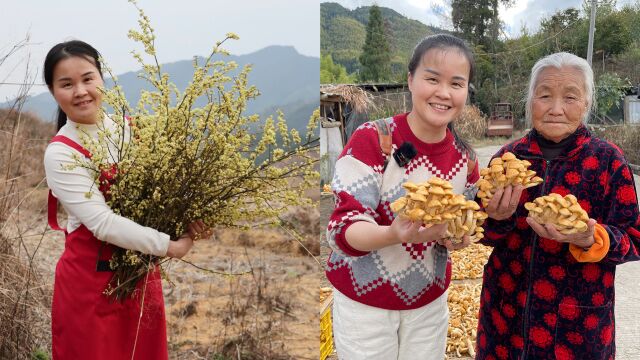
point(466, 241)
point(504, 202)
point(583, 239)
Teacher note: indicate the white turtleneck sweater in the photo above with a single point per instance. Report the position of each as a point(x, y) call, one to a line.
point(70, 187)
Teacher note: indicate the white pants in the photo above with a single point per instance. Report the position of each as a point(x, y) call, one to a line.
point(365, 332)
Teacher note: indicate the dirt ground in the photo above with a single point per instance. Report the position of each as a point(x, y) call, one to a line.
point(268, 313)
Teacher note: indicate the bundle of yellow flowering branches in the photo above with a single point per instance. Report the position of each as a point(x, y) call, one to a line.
point(182, 162)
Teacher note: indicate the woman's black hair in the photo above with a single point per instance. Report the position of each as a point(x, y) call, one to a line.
point(445, 41)
point(63, 51)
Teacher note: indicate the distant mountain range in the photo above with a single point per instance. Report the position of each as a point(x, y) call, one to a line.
point(285, 79)
point(343, 31)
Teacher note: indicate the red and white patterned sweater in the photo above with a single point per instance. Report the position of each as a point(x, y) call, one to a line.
point(402, 276)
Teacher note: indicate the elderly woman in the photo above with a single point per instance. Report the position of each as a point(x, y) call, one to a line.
point(546, 295)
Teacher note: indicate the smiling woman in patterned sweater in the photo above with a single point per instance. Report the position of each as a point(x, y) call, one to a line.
point(546, 295)
point(390, 274)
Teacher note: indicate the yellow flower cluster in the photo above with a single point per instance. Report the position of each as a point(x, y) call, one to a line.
point(178, 162)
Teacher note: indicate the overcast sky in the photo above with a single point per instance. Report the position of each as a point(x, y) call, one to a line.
point(523, 12)
point(184, 28)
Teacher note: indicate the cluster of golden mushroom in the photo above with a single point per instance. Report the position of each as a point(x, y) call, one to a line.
point(565, 213)
point(433, 202)
point(503, 171)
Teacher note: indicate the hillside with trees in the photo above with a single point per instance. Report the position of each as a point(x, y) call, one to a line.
point(503, 64)
point(343, 34)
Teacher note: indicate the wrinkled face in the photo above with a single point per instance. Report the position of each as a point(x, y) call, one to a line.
point(439, 86)
point(559, 102)
point(75, 87)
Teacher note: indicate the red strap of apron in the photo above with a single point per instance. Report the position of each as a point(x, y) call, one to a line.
point(65, 140)
point(52, 206)
point(52, 211)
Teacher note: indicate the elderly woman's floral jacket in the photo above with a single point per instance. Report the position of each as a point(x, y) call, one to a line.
point(537, 301)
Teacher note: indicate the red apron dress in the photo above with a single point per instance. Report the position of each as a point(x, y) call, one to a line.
point(85, 324)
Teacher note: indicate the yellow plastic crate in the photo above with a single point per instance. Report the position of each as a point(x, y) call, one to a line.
point(326, 328)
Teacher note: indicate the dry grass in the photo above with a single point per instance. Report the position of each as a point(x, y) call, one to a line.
point(24, 308)
point(471, 124)
point(24, 297)
point(261, 315)
point(627, 137)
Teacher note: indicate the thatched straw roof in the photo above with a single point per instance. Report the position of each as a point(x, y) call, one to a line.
point(360, 100)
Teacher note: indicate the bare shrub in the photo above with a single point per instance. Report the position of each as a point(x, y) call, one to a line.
point(627, 137)
point(24, 298)
point(24, 308)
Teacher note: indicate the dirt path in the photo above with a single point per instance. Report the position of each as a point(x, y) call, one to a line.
point(272, 310)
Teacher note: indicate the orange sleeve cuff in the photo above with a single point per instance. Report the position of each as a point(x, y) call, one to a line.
point(598, 250)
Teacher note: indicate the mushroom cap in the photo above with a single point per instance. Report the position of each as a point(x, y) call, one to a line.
point(397, 206)
point(565, 222)
point(436, 181)
point(417, 197)
point(470, 204)
point(515, 165)
point(575, 208)
point(423, 191)
point(410, 186)
point(512, 173)
point(457, 200)
point(580, 225)
point(508, 156)
point(434, 203)
point(416, 214)
point(540, 201)
point(484, 184)
point(496, 161)
point(565, 212)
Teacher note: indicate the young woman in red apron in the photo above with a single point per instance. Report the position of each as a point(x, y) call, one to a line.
point(86, 324)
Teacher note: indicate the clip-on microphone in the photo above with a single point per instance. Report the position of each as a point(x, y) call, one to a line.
point(404, 154)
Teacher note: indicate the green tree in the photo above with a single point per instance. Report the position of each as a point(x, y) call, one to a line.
point(477, 20)
point(332, 73)
point(565, 31)
point(376, 54)
point(610, 89)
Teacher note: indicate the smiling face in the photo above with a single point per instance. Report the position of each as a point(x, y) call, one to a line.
point(439, 87)
point(75, 88)
point(559, 102)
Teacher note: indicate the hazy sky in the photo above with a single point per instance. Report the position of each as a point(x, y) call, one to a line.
point(184, 28)
point(523, 12)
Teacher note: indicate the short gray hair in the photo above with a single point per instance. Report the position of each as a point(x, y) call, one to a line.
point(559, 60)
